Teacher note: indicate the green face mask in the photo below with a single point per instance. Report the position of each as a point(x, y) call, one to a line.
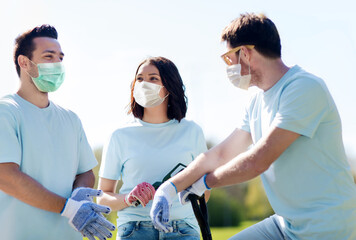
point(50, 76)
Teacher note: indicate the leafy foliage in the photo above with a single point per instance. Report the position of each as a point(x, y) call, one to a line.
point(223, 211)
point(256, 202)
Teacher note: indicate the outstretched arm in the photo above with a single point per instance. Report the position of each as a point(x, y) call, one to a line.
point(253, 162)
point(207, 162)
point(227, 164)
point(235, 144)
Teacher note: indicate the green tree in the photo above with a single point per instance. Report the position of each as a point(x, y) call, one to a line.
point(223, 210)
point(256, 202)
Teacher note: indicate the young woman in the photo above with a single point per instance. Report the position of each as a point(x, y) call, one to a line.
point(147, 149)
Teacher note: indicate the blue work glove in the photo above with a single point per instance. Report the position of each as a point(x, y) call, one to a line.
point(87, 194)
point(85, 217)
point(198, 188)
point(84, 193)
point(160, 206)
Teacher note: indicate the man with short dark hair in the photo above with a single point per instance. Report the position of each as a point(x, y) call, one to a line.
point(290, 135)
point(45, 159)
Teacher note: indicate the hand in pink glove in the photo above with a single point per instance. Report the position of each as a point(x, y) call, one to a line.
point(143, 192)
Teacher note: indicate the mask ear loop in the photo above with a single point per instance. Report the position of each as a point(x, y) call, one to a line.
point(33, 64)
point(249, 70)
point(167, 92)
point(239, 56)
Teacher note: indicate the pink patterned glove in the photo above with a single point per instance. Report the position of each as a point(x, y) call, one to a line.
point(143, 192)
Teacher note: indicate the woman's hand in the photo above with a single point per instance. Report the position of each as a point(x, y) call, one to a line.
point(143, 192)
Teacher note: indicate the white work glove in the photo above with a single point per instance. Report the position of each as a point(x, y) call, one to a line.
point(160, 206)
point(85, 217)
point(94, 228)
point(198, 188)
point(141, 194)
point(84, 193)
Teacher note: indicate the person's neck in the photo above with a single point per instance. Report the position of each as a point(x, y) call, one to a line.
point(30, 93)
point(273, 71)
point(155, 115)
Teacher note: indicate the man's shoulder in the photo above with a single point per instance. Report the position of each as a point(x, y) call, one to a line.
point(8, 100)
point(8, 103)
point(302, 77)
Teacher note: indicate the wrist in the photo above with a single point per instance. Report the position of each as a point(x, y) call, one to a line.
point(200, 186)
point(70, 208)
point(205, 183)
point(167, 190)
point(64, 206)
point(126, 200)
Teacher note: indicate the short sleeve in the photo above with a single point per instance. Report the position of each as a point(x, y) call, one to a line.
point(10, 150)
point(110, 167)
point(87, 160)
point(201, 143)
point(303, 105)
point(244, 123)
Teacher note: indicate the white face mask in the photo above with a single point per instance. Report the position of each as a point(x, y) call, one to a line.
point(234, 75)
point(147, 94)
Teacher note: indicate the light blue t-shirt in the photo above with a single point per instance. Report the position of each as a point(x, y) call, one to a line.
point(310, 185)
point(50, 146)
point(145, 152)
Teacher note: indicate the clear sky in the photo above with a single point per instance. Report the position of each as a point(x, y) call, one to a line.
point(105, 40)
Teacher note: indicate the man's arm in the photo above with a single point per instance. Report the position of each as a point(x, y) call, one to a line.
point(235, 144)
point(86, 179)
point(21, 186)
point(255, 161)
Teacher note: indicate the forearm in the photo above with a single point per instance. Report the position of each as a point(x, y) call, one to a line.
point(113, 200)
point(240, 169)
point(24, 188)
point(203, 164)
point(232, 146)
point(86, 179)
point(110, 198)
point(255, 161)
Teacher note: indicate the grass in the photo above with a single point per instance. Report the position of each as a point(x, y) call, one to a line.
point(218, 233)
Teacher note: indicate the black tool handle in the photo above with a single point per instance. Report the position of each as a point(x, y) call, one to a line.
point(201, 213)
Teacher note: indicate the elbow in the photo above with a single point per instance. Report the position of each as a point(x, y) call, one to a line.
point(91, 178)
point(259, 169)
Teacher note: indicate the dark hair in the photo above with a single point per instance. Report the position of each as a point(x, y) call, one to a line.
point(172, 81)
point(253, 29)
point(24, 43)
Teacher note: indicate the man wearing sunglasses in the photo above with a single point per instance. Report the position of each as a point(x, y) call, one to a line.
point(290, 136)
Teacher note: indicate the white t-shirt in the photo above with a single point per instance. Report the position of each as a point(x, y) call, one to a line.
point(50, 146)
point(145, 152)
point(310, 185)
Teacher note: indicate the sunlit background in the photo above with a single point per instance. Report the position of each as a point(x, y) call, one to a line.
point(105, 40)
